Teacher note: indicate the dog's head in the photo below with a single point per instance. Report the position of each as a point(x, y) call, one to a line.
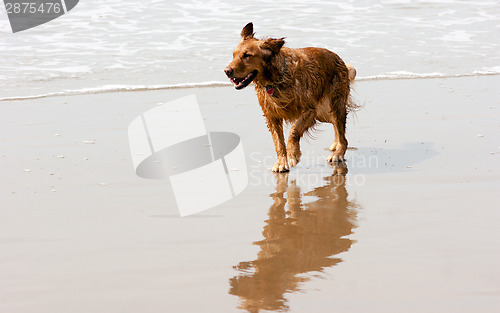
point(251, 57)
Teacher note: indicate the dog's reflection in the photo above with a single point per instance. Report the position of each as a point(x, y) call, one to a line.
point(303, 239)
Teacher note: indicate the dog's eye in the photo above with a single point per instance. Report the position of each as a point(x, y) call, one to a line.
point(246, 55)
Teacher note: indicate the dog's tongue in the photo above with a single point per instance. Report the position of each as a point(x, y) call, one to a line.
point(270, 90)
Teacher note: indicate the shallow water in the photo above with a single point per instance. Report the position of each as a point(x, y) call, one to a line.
point(184, 42)
point(412, 228)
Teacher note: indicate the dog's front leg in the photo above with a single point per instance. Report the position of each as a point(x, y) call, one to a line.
point(305, 121)
point(275, 126)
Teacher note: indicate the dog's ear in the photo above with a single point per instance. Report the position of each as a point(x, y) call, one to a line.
point(247, 31)
point(273, 45)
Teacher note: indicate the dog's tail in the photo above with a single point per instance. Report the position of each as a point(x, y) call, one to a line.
point(352, 72)
point(351, 104)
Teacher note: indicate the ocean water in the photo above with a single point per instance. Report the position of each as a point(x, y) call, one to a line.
point(154, 44)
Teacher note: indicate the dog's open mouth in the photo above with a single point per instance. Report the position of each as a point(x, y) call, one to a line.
point(240, 83)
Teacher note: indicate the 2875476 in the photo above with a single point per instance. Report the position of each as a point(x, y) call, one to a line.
point(33, 7)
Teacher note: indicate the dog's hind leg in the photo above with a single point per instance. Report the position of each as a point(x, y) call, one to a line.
point(305, 121)
point(339, 146)
point(335, 143)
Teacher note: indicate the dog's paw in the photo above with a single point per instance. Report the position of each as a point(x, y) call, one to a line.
point(293, 156)
point(335, 157)
point(281, 166)
point(293, 160)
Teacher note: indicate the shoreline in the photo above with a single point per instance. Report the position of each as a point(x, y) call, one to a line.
point(215, 84)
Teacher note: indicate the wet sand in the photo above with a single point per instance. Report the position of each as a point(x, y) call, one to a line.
point(410, 224)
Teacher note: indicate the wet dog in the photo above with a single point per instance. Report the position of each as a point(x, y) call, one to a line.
point(301, 86)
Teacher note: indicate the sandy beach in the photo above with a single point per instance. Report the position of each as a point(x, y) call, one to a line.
point(413, 227)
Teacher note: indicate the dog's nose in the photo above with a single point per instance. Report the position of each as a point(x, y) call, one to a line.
point(228, 71)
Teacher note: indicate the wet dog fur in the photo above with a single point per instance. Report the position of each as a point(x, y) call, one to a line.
point(301, 86)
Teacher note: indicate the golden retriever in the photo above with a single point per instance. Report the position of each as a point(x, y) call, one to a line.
point(305, 86)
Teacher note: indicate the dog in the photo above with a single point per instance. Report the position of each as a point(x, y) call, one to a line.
point(301, 86)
